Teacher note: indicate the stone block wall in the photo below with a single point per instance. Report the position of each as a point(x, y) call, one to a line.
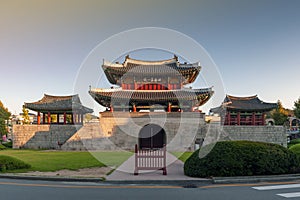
point(42, 136)
point(271, 134)
point(123, 129)
point(120, 131)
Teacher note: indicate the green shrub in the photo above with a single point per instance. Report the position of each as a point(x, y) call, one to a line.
point(7, 144)
point(295, 148)
point(242, 158)
point(295, 141)
point(2, 147)
point(10, 163)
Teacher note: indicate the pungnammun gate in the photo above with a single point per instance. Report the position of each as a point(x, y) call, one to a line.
point(147, 91)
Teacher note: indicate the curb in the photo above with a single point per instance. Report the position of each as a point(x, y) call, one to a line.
point(255, 179)
point(51, 178)
point(183, 183)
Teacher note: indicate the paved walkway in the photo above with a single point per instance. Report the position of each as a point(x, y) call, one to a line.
point(174, 171)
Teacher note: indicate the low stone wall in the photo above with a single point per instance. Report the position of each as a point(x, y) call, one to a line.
point(271, 134)
point(42, 136)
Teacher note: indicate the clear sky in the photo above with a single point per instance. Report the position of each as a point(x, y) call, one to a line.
point(255, 44)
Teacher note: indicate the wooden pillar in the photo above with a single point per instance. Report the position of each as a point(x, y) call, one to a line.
point(39, 118)
point(57, 118)
point(72, 118)
point(239, 118)
point(134, 107)
point(169, 107)
point(228, 118)
point(49, 118)
point(263, 119)
point(44, 118)
point(253, 118)
point(65, 118)
point(81, 118)
point(135, 86)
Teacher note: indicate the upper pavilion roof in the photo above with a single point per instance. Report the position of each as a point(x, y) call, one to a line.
point(251, 103)
point(58, 104)
point(105, 96)
point(132, 67)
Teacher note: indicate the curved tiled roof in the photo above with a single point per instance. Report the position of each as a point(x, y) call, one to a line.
point(250, 103)
point(58, 104)
point(132, 67)
point(198, 96)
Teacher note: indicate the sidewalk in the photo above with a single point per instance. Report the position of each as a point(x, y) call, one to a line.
point(174, 172)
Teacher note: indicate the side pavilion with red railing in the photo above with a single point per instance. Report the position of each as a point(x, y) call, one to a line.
point(59, 109)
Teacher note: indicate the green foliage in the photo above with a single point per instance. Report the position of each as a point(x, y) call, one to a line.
point(295, 148)
point(4, 115)
point(297, 108)
point(7, 144)
point(242, 158)
point(8, 163)
point(280, 114)
point(2, 147)
point(26, 119)
point(88, 117)
point(295, 141)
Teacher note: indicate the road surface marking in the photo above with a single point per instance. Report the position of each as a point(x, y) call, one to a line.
point(277, 187)
point(289, 195)
point(245, 184)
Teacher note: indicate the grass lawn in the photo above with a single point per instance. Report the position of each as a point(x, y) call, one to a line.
point(183, 156)
point(57, 160)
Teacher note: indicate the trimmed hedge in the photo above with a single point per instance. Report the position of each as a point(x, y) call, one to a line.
point(295, 148)
point(10, 163)
point(242, 158)
point(295, 141)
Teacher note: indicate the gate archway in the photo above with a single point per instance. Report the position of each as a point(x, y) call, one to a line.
point(152, 136)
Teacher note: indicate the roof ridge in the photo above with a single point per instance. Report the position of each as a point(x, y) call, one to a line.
point(150, 62)
point(241, 98)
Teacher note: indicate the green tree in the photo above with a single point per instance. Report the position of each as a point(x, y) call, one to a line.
point(279, 114)
point(26, 119)
point(88, 117)
point(4, 115)
point(297, 108)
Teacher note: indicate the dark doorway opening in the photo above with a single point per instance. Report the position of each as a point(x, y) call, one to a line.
point(152, 136)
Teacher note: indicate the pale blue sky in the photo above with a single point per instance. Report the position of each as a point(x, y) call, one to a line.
point(255, 44)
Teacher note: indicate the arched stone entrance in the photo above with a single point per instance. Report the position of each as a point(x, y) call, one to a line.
point(152, 136)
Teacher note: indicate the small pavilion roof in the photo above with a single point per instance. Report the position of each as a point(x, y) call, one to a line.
point(58, 104)
point(250, 103)
point(133, 67)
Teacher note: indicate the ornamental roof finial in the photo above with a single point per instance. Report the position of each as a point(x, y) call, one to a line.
point(176, 57)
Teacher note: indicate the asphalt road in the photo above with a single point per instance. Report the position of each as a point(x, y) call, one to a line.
point(24, 189)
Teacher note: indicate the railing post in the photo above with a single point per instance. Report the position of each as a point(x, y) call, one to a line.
point(165, 161)
point(136, 160)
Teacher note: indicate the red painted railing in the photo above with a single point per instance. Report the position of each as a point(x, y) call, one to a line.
point(150, 159)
